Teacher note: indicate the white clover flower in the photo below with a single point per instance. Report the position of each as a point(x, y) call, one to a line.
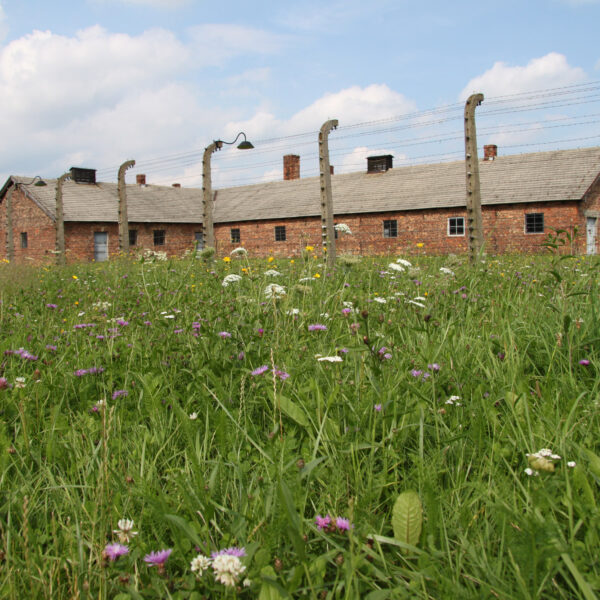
point(239, 252)
point(275, 291)
point(247, 582)
point(396, 267)
point(227, 569)
point(446, 270)
point(331, 359)
point(125, 532)
point(403, 262)
point(231, 278)
point(272, 273)
point(200, 564)
point(343, 228)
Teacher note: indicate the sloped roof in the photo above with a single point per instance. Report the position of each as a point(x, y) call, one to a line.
point(100, 202)
point(540, 176)
point(535, 177)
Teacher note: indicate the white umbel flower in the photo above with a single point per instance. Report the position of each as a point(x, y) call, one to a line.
point(403, 262)
point(396, 267)
point(331, 359)
point(274, 291)
point(446, 270)
point(272, 273)
point(239, 252)
point(343, 228)
point(231, 278)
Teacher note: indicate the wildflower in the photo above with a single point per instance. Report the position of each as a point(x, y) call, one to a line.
point(317, 327)
point(19, 382)
point(331, 359)
point(231, 551)
point(227, 569)
point(119, 393)
point(272, 273)
point(231, 278)
point(224, 335)
point(226, 259)
point(346, 311)
point(416, 373)
point(434, 367)
point(158, 559)
point(322, 522)
point(122, 322)
point(343, 228)
point(396, 267)
point(113, 551)
point(247, 582)
point(200, 564)
point(317, 275)
point(342, 524)
point(239, 252)
point(571, 464)
point(124, 530)
point(530, 472)
point(380, 300)
point(378, 407)
point(281, 374)
point(75, 277)
point(454, 400)
point(584, 362)
point(420, 245)
point(403, 262)
point(193, 416)
point(309, 248)
point(446, 271)
point(51, 305)
point(259, 371)
point(274, 291)
point(3, 383)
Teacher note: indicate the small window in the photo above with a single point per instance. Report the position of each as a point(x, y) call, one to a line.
point(159, 237)
point(534, 223)
point(133, 237)
point(24, 239)
point(390, 229)
point(199, 238)
point(280, 233)
point(236, 237)
point(456, 226)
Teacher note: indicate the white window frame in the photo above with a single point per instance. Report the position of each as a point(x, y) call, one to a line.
point(533, 232)
point(455, 234)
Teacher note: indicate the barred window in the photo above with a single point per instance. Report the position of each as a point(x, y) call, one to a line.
point(236, 236)
point(133, 237)
point(280, 233)
point(390, 228)
point(456, 226)
point(24, 239)
point(159, 237)
point(534, 223)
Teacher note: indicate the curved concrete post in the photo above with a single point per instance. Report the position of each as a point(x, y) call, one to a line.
point(59, 222)
point(327, 226)
point(123, 218)
point(208, 231)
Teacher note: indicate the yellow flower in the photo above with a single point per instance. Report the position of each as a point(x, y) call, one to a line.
point(244, 270)
point(271, 259)
point(316, 276)
point(75, 277)
point(77, 303)
point(226, 259)
point(420, 245)
point(193, 285)
point(309, 248)
point(292, 261)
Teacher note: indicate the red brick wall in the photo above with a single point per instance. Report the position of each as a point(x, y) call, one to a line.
point(504, 231)
point(28, 218)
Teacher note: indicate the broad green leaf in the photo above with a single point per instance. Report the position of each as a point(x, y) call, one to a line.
point(407, 518)
point(293, 411)
point(594, 461)
point(270, 589)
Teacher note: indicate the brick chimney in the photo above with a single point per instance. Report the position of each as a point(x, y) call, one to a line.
point(291, 167)
point(490, 152)
point(176, 185)
point(140, 179)
point(331, 169)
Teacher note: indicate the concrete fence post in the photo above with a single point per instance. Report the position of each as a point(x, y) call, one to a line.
point(327, 226)
point(123, 218)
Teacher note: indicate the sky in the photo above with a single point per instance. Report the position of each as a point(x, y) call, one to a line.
point(93, 83)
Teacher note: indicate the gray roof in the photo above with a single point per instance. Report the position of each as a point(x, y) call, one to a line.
point(535, 177)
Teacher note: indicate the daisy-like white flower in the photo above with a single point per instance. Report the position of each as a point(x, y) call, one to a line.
point(125, 532)
point(231, 278)
point(275, 291)
point(200, 564)
point(227, 569)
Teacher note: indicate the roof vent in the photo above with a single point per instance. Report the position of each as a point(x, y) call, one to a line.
point(79, 175)
point(140, 179)
point(379, 164)
point(490, 152)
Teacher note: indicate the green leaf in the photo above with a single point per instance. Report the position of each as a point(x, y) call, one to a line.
point(185, 528)
point(407, 518)
point(293, 411)
point(270, 589)
point(594, 462)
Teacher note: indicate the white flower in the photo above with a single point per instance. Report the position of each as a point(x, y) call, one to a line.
point(416, 303)
point(19, 382)
point(446, 271)
point(396, 267)
point(272, 273)
point(420, 298)
point(169, 316)
point(274, 291)
point(403, 262)
point(347, 304)
point(531, 472)
point(305, 279)
point(293, 311)
point(571, 464)
point(246, 582)
point(200, 564)
point(331, 359)
point(380, 300)
point(239, 252)
point(453, 400)
point(343, 228)
point(193, 416)
point(125, 532)
point(231, 278)
point(227, 569)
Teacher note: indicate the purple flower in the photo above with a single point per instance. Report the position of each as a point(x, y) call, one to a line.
point(118, 393)
point(224, 335)
point(416, 373)
point(259, 371)
point(281, 374)
point(241, 355)
point(90, 371)
point(322, 522)
point(378, 407)
point(434, 367)
point(584, 362)
point(84, 325)
point(122, 322)
point(158, 559)
point(113, 551)
point(51, 305)
point(147, 323)
point(342, 524)
point(51, 348)
point(233, 551)
point(317, 327)
point(346, 311)
point(178, 331)
point(3, 383)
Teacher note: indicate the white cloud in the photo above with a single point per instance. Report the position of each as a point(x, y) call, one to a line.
point(3, 24)
point(549, 71)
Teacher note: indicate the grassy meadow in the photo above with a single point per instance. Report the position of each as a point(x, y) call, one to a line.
point(389, 430)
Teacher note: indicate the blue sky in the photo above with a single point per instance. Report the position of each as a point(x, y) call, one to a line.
point(96, 82)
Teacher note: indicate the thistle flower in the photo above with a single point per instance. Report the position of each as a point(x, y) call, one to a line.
point(259, 371)
point(224, 335)
point(231, 551)
point(317, 327)
point(113, 551)
point(342, 524)
point(322, 522)
point(118, 393)
point(158, 559)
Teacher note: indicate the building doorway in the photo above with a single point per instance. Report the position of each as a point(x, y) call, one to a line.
point(591, 231)
point(100, 246)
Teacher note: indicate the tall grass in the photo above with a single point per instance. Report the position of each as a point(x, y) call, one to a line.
point(446, 382)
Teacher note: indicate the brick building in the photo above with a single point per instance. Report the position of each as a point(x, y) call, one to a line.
point(389, 210)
